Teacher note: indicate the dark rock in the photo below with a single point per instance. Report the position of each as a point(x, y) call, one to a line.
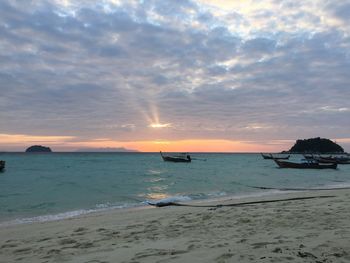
point(316, 145)
point(38, 148)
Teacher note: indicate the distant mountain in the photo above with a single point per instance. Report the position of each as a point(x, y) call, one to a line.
point(118, 149)
point(37, 149)
point(316, 145)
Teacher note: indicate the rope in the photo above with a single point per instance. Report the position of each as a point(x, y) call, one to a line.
point(162, 204)
point(293, 189)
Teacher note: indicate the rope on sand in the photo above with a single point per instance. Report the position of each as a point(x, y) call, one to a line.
point(293, 189)
point(162, 204)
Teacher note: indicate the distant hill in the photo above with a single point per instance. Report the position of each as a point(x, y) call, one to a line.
point(108, 150)
point(38, 148)
point(316, 145)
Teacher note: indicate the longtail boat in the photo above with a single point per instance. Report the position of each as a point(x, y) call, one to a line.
point(181, 158)
point(309, 157)
point(337, 160)
point(271, 157)
point(2, 165)
point(305, 165)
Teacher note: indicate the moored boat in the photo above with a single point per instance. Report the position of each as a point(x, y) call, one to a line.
point(337, 160)
point(305, 165)
point(309, 157)
point(181, 158)
point(269, 156)
point(2, 165)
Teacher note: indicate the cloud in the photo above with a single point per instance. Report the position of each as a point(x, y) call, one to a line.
point(340, 10)
point(209, 68)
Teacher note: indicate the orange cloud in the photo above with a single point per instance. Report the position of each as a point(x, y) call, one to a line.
point(185, 145)
point(66, 143)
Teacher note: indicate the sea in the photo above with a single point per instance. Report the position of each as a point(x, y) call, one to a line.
point(38, 187)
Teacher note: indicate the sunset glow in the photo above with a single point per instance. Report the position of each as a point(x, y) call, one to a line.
point(160, 125)
point(197, 75)
point(67, 143)
point(158, 130)
point(70, 143)
point(187, 145)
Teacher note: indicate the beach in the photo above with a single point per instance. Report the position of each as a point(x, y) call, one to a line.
point(191, 131)
point(309, 230)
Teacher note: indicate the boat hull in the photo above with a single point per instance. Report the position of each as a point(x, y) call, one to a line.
point(2, 165)
point(175, 159)
point(333, 160)
point(271, 157)
point(284, 164)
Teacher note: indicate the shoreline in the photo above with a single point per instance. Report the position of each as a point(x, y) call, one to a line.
point(259, 193)
point(142, 205)
point(271, 232)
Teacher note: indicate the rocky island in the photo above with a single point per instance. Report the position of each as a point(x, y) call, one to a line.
point(316, 145)
point(38, 149)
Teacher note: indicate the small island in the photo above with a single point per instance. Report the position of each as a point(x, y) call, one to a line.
point(38, 149)
point(316, 145)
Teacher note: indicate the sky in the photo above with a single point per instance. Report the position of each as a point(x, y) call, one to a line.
point(181, 75)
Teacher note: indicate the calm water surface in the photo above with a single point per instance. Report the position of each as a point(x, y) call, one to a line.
point(40, 187)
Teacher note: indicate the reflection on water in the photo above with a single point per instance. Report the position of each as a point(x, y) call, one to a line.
point(155, 180)
point(154, 172)
point(157, 192)
point(159, 187)
point(156, 196)
point(75, 182)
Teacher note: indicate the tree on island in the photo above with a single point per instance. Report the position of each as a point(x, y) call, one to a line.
point(38, 148)
point(316, 145)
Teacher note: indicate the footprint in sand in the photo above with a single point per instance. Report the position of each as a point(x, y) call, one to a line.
point(54, 251)
point(9, 246)
point(24, 250)
point(107, 232)
point(67, 241)
point(96, 261)
point(263, 244)
point(44, 239)
point(79, 231)
point(158, 252)
point(219, 245)
point(224, 257)
point(277, 250)
point(306, 255)
point(84, 245)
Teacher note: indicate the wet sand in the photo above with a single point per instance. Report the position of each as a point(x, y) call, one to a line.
point(314, 230)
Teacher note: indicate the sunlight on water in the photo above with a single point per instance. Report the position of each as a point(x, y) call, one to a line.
point(156, 196)
point(61, 185)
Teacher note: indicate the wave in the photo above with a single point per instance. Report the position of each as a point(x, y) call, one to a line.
point(198, 197)
point(171, 199)
point(98, 208)
point(68, 214)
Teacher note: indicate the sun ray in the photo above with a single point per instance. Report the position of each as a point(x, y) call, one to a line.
point(160, 125)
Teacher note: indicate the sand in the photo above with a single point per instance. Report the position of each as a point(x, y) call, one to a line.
point(315, 230)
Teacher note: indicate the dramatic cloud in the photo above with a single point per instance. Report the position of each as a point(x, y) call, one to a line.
point(175, 70)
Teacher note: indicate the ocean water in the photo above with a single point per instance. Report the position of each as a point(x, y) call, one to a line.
point(42, 187)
